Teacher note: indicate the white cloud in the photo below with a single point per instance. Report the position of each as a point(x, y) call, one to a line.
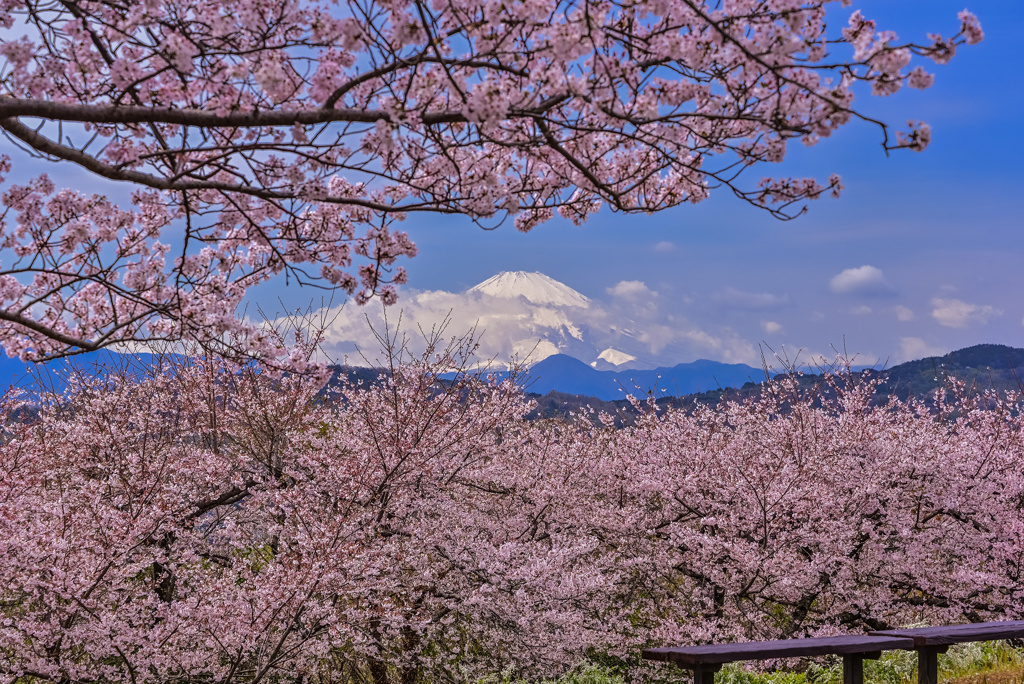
point(534, 350)
point(728, 348)
point(752, 301)
point(864, 280)
point(861, 310)
point(632, 319)
point(954, 313)
point(771, 327)
point(665, 247)
point(631, 289)
point(912, 348)
point(506, 327)
point(904, 314)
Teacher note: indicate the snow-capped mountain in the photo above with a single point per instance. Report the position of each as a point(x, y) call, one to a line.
point(542, 317)
point(531, 316)
point(613, 357)
point(535, 288)
point(536, 315)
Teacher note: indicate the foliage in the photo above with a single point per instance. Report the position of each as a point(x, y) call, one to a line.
point(738, 674)
point(264, 138)
point(588, 673)
point(222, 524)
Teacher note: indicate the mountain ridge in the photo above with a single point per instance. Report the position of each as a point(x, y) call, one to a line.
point(981, 367)
point(563, 373)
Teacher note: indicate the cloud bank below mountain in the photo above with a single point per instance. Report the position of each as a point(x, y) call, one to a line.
point(529, 317)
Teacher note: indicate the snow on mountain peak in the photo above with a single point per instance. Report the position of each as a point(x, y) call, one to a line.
point(536, 288)
point(615, 357)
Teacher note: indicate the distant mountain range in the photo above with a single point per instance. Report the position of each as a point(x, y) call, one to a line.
point(578, 349)
point(561, 383)
point(53, 376)
point(984, 366)
point(981, 367)
point(561, 373)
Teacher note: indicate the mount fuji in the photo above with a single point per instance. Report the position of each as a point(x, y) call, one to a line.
point(574, 345)
point(529, 317)
point(544, 318)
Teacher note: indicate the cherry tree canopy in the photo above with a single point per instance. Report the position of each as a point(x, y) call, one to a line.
point(215, 523)
point(270, 137)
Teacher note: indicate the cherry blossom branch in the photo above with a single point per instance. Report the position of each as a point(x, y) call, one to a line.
point(289, 142)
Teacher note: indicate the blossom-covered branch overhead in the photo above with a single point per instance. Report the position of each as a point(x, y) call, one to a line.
point(286, 137)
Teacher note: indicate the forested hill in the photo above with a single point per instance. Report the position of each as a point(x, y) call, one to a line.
point(981, 367)
point(984, 366)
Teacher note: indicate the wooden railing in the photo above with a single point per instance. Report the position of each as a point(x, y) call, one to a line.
point(929, 642)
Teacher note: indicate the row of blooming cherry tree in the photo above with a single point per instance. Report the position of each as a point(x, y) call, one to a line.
point(283, 139)
point(220, 525)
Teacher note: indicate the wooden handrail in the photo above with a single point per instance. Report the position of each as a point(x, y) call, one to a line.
point(931, 641)
point(707, 659)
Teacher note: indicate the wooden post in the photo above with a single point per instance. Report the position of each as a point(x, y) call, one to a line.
point(853, 666)
point(705, 674)
point(928, 664)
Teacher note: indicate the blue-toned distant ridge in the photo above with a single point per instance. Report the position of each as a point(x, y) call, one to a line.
point(563, 373)
point(990, 366)
point(560, 373)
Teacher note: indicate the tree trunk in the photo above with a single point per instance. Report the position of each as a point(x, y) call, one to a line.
point(379, 671)
point(410, 644)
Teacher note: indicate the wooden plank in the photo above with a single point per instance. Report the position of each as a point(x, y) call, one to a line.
point(690, 656)
point(958, 634)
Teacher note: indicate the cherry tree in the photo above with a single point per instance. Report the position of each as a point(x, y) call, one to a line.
point(808, 513)
point(286, 138)
point(218, 523)
point(138, 517)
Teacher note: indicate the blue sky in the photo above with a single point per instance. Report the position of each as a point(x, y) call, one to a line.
point(941, 230)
